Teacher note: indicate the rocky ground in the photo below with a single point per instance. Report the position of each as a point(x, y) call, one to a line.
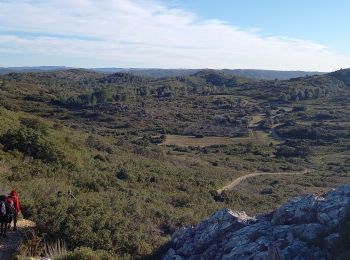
point(305, 227)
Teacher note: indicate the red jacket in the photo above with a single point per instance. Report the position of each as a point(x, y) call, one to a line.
point(14, 200)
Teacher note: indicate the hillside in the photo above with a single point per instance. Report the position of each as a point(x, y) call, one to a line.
point(123, 161)
point(343, 75)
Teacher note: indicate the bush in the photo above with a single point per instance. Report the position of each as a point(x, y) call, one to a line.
point(31, 143)
point(86, 253)
point(297, 151)
point(34, 124)
point(122, 174)
point(299, 108)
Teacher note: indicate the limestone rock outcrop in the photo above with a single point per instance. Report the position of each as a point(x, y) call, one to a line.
point(305, 227)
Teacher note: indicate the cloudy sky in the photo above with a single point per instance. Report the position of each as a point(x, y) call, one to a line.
point(271, 34)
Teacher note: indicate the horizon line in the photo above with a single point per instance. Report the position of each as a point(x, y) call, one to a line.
point(157, 68)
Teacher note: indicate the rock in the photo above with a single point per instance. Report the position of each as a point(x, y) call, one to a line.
point(305, 227)
point(312, 232)
point(171, 255)
point(334, 207)
point(298, 210)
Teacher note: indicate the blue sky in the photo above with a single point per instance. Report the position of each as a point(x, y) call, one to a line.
point(322, 21)
point(262, 34)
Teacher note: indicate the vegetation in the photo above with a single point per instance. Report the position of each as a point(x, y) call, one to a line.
point(122, 161)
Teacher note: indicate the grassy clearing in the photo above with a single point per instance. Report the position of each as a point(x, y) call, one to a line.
point(258, 137)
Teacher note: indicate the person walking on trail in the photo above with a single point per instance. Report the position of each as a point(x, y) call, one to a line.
point(13, 201)
point(6, 215)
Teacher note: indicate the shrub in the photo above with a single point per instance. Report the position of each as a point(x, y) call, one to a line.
point(32, 246)
point(34, 124)
point(122, 174)
point(97, 144)
point(86, 253)
point(297, 151)
point(31, 143)
point(100, 158)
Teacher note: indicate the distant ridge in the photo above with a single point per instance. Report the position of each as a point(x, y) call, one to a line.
point(4, 70)
point(271, 74)
point(160, 73)
point(248, 73)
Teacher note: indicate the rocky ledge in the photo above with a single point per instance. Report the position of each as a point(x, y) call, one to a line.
point(305, 227)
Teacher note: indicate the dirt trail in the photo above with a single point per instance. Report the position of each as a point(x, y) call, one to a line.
point(9, 245)
point(237, 181)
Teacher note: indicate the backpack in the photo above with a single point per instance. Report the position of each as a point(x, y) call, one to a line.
point(6, 211)
point(10, 207)
point(3, 210)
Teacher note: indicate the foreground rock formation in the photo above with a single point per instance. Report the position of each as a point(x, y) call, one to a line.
point(305, 227)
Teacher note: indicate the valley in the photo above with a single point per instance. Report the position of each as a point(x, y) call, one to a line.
point(144, 156)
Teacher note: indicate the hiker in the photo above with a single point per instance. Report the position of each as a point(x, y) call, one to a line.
point(13, 201)
point(6, 215)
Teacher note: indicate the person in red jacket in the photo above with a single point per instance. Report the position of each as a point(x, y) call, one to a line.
point(13, 201)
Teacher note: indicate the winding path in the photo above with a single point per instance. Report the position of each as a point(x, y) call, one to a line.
point(237, 181)
point(9, 246)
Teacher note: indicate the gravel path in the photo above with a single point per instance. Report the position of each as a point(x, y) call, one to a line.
point(9, 245)
point(237, 181)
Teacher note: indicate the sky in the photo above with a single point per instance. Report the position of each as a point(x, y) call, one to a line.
point(247, 34)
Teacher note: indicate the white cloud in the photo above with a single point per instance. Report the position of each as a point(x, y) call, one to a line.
point(135, 33)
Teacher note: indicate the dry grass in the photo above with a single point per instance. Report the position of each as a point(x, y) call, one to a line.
point(256, 119)
point(4, 167)
point(56, 250)
point(185, 141)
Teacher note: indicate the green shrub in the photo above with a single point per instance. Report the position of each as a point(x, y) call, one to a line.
point(31, 143)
